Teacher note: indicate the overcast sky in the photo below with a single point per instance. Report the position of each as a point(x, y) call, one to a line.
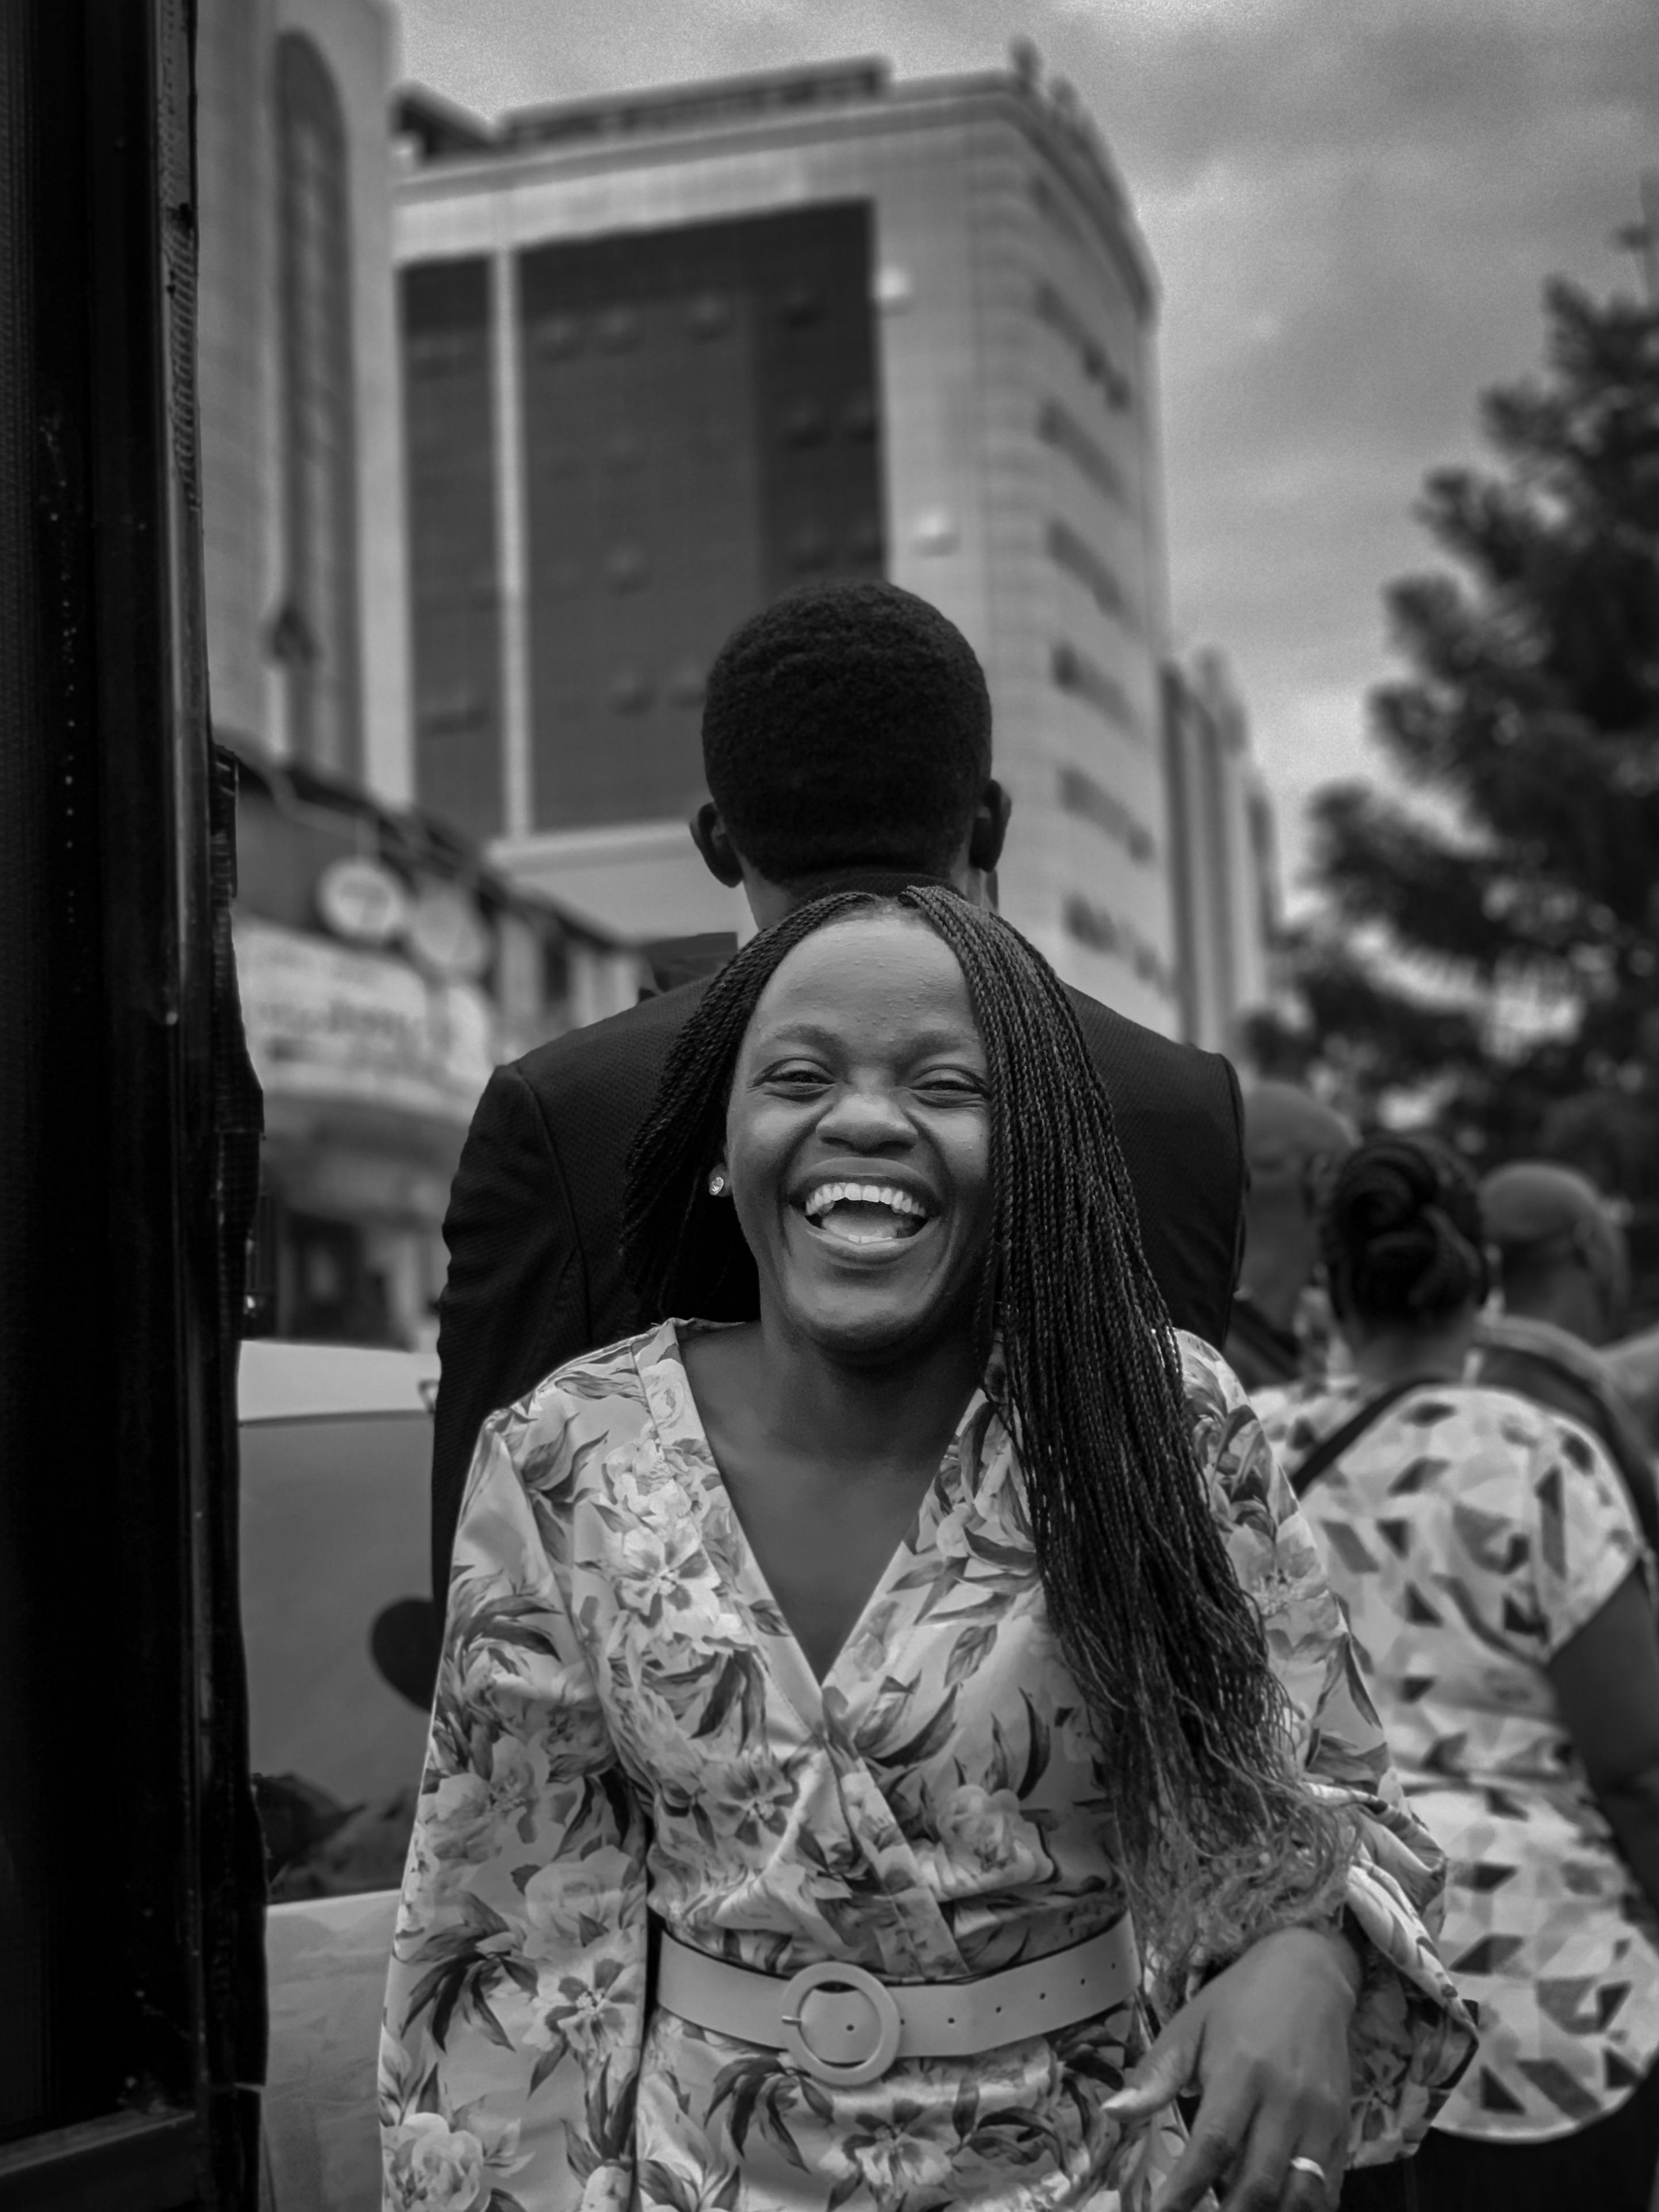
point(1352, 209)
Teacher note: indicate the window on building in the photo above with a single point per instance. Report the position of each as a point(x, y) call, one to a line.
point(1096, 575)
point(455, 597)
point(735, 361)
point(1056, 428)
point(1093, 357)
point(314, 630)
point(1085, 678)
point(1080, 794)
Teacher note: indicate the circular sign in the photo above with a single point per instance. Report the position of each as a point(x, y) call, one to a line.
point(448, 935)
point(362, 902)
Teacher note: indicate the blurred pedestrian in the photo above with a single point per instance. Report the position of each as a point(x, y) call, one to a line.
point(1633, 1364)
point(839, 1706)
point(846, 740)
point(1565, 1274)
point(1293, 1146)
point(1495, 1579)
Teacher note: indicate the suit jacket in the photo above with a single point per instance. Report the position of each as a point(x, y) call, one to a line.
point(535, 1268)
point(1262, 1355)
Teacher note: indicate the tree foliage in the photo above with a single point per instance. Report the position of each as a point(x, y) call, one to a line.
point(1515, 856)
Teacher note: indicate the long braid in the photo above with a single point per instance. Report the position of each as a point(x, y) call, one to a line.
point(1218, 1839)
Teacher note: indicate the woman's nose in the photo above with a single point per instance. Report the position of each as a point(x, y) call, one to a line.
point(864, 1117)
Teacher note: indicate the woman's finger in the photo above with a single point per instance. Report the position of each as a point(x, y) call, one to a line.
point(1261, 2179)
point(1334, 2159)
point(1216, 2144)
point(1162, 2076)
point(1311, 2184)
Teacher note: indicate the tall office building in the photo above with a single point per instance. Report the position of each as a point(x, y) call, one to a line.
point(302, 436)
point(384, 968)
point(1223, 869)
point(667, 354)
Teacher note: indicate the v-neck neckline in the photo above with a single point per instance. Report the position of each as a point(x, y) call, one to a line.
point(807, 1691)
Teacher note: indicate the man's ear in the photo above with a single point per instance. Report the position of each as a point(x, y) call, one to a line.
point(719, 855)
point(984, 838)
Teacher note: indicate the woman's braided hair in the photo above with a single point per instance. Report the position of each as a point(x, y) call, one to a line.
point(1220, 1841)
point(1401, 1233)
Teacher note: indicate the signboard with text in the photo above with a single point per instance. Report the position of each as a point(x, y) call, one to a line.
point(330, 1021)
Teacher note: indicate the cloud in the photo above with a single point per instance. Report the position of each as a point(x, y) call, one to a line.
point(1352, 212)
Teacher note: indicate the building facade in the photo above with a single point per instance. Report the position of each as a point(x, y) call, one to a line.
point(302, 447)
point(385, 968)
point(667, 354)
point(1223, 869)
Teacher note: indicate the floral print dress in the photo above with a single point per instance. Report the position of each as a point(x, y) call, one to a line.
point(624, 1726)
point(1470, 1535)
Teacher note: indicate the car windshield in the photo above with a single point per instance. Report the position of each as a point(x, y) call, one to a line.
point(342, 1637)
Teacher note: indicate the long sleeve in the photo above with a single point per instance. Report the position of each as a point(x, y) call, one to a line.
point(1411, 2034)
point(515, 1303)
point(516, 1996)
point(1180, 1122)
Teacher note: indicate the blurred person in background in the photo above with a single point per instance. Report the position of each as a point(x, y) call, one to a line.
point(1293, 1146)
point(1496, 1584)
point(1565, 1274)
point(846, 743)
point(1633, 1364)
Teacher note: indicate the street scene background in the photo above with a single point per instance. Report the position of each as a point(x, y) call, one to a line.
point(1131, 344)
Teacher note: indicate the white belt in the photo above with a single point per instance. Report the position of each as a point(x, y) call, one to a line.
point(843, 2026)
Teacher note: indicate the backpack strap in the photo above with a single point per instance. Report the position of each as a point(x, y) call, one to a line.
point(1325, 1454)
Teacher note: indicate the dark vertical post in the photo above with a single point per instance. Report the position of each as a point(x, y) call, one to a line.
point(131, 1977)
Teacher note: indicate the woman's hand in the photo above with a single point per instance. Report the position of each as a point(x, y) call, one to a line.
point(1266, 2045)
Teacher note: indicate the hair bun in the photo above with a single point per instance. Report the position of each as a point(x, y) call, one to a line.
point(1402, 1232)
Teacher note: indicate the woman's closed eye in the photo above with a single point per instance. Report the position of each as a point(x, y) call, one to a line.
point(794, 1078)
point(951, 1086)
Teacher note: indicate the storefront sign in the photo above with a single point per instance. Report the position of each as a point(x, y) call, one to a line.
point(446, 934)
point(363, 900)
point(326, 1021)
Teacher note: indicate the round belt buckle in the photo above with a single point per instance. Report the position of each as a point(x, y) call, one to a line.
point(869, 2025)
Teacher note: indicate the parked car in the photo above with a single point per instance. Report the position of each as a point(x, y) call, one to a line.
point(341, 1640)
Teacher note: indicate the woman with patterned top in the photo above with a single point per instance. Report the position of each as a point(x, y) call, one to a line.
point(823, 1693)
point(1492, 1574)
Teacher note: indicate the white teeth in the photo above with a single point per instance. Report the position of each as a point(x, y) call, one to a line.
point(830, 1194)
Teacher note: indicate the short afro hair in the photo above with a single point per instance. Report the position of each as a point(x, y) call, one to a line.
point(846, 726)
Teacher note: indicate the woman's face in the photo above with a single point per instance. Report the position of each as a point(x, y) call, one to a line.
point(858, 1139)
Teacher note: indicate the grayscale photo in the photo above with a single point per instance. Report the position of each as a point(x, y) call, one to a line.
point(828, 1106)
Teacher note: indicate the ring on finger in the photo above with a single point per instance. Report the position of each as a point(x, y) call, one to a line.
point(1315, 2172)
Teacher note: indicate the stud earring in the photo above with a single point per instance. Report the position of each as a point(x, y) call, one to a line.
point(717, 1184)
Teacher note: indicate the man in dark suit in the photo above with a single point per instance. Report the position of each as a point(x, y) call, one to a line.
point(847, 741)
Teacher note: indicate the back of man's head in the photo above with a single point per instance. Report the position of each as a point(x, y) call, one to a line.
point(1562, 1255)
point(846, 726)
point(1293, 1142)
point(1293, 1146)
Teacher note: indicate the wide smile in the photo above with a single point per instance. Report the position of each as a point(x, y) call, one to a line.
point(866, 1217)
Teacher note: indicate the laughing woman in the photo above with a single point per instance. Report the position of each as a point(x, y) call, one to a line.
point(827, 1697)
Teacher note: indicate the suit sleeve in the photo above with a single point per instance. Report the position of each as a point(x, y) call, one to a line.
point(515, 1305)
point(1183, 1140)
point(1240, 1171)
